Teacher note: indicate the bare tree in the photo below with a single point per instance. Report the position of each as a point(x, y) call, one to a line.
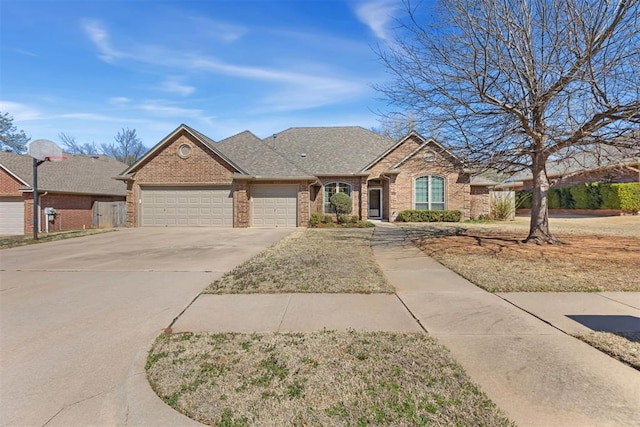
point(128, 147)
point(396, 126)
point(510, 84)
point(70, 145)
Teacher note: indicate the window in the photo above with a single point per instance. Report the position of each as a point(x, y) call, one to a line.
point(429, 193)
point(330, 190)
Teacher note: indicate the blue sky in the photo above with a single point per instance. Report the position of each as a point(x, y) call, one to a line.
point(90, 68)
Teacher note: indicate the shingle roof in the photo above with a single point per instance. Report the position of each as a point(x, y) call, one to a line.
point(588, 158)
point(76, 174)
point(257, 158)
point(329, 150)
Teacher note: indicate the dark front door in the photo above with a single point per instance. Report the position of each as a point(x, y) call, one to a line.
point(375, 203)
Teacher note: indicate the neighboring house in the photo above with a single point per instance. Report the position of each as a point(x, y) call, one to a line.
point(187, 179)
point(72, 187)
point(604, 163)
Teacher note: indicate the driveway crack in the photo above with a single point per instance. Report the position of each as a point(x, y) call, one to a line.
point(73, 404)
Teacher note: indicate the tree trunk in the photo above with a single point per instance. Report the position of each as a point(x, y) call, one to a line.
point(539, 225)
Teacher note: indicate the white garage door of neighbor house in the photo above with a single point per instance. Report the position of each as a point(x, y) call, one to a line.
point(274, 205)
point(11, 216)
point(187, 207)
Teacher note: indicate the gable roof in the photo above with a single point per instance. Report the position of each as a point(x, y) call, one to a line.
point(423, 142)
point(257, 158)
point(588, 159)
point(206, 141)
point(329, 150)
point(77, 174)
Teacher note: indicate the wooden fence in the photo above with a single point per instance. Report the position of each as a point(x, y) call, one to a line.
point(109, 214)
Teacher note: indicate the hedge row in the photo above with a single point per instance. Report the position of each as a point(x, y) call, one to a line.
point(429, 216)
point(625, 196)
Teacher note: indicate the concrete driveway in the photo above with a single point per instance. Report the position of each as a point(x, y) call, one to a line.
point(78, 316)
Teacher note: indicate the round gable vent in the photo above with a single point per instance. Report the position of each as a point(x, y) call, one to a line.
point(184, 150)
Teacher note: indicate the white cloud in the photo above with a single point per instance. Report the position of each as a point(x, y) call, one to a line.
point(174, 85)
point(119, 100)
point(217, 30)
point(377, 14)
point(100, 37)
point(20, 112)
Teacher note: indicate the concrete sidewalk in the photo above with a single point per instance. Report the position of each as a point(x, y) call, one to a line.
point(295, 313)
point(537, 374)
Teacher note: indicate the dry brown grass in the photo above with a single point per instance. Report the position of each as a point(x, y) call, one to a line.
point(624, 346)
point(327, 260)
point(596, 255)
point(322, 378)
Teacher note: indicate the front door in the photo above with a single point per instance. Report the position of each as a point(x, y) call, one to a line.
point(375, 203)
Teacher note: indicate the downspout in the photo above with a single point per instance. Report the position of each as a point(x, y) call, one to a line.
point(46, 220)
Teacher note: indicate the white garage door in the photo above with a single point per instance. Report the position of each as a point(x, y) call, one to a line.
point(184, 207)
point(274, 205)
point(11, 216)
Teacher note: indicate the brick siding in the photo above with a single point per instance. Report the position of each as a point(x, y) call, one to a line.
point(9, 186)
point(167, 168)
point(74, 211)
point(480, 202)
point(398, 191)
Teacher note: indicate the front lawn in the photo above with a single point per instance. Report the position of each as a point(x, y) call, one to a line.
point(593, 257)
point(313, 260)
point(316, 379)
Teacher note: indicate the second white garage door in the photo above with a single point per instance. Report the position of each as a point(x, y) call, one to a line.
point(12, 215)
point(274, 205)
point(184, 207)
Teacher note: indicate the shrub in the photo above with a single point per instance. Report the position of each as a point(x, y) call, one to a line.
point(342, 205)
point(621, 196)
point(354, 219)
point(523, 199)
point(566, 200)
point(413, 215)
point(580, 196)
point(502, 207)
point(327, 219)
point(343, 219)
point(315, 219)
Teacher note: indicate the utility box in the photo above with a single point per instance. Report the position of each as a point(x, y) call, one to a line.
point(50, 213)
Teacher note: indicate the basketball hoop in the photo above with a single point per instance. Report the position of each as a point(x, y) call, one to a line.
point(45, 151)
point(42, 150)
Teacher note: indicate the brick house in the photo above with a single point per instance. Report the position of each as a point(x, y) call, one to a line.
point(605, 164)
point(72, 187)
point(188, 179)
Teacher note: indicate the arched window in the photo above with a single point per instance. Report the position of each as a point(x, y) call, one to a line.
point(429, 193)
point(330, 190)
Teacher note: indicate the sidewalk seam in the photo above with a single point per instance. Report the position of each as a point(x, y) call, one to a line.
point(411, 313)
point(175, 319)
point(616, 301)
point(286, 308)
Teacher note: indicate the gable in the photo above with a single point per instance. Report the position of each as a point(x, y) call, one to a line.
point(183, 158)
point(9, 184)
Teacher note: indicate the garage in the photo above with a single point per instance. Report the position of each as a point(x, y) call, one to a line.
point(274, 205)
point(186, 207)
point(11, 215)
